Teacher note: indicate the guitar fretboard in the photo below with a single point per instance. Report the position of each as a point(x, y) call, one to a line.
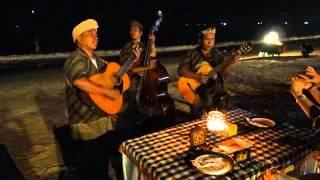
point(126, 66)
point(219, 68)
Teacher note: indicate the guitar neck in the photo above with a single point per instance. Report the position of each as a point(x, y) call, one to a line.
point(126, 66)
point(223, 65)
point(147, 55)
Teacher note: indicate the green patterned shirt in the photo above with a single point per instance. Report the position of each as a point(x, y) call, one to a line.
point(79, 65)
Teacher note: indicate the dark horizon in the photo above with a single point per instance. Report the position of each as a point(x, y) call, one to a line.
point(51, 22)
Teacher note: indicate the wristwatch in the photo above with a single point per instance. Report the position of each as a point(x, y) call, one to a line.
point(302, 96)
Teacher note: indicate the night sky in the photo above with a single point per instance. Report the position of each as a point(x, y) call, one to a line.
point(50, 22)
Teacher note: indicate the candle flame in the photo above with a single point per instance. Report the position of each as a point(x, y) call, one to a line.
point(215, 121)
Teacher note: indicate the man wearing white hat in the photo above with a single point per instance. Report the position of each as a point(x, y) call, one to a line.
point(91, 128)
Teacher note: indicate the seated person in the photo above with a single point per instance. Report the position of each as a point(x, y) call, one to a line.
point(214, 96)
point(306, 49)
point(301, 85)
point(308, 83)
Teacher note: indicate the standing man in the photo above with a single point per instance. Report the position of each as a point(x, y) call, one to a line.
point(136, 32)
point(215, 96)
point(92, 129)
point(135, 73)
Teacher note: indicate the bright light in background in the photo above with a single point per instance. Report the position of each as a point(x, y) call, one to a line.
point(33, 11)
point(259, 23)
point(306, 22)
point(18, 28)
point(224, 23)
point(286, 22)
point(272, 38)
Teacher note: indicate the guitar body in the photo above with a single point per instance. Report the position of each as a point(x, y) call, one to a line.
point(188, 87)
point(110, 106)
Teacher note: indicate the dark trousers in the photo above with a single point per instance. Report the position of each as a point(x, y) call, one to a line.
point(209, 102)
point(8, 169)
point(95, 156)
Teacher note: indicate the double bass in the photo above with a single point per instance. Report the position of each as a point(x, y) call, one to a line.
point(153, 97)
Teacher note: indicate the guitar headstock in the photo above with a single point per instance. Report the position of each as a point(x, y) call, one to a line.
point(245, 47)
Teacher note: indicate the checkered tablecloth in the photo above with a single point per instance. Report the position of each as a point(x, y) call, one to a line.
point(164, 154)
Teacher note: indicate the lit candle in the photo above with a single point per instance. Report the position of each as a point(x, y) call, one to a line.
point(215, 121)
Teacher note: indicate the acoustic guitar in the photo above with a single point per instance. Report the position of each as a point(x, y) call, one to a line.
point(190, 89)
point(114, 77)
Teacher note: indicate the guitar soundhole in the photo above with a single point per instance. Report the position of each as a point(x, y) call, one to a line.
point(117, 80)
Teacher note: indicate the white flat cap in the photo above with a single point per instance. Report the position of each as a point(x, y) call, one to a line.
point(82, 27)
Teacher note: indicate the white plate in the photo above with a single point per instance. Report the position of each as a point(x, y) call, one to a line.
point(213, 164)
point(261, 122)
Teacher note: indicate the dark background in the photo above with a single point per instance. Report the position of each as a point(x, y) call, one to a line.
point(50, 22)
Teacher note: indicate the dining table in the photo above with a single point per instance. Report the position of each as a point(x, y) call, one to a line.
point(165, 154)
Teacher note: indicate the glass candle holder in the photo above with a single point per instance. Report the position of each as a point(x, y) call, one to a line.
point(216, 121)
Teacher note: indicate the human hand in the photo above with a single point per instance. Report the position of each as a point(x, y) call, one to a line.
point(152, 38)
point(203, 78)
point(152, 64)
point(313, 74)
point(112, 93)
point(298, 84)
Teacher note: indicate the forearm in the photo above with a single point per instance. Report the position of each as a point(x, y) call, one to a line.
point(311, 110)
point(305, 104)
point(189, 74)
point(139, 69)
point(227, 70)
point(315, 93)
point(153, 51)
point(234, 58)
point(89, 87)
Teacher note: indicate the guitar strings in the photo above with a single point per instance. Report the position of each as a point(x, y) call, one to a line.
point(220, 66)
point(126, 66)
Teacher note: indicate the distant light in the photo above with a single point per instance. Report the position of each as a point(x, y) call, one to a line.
point(33, 11)
point(286, 22)
point(224, 23)
point(187, 24)
point(259, 23)
point(272, 38)
point(18, 28)
point(306, 22)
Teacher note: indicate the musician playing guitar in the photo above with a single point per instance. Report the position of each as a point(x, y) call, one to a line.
point(91, 128)
point(213, 95)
